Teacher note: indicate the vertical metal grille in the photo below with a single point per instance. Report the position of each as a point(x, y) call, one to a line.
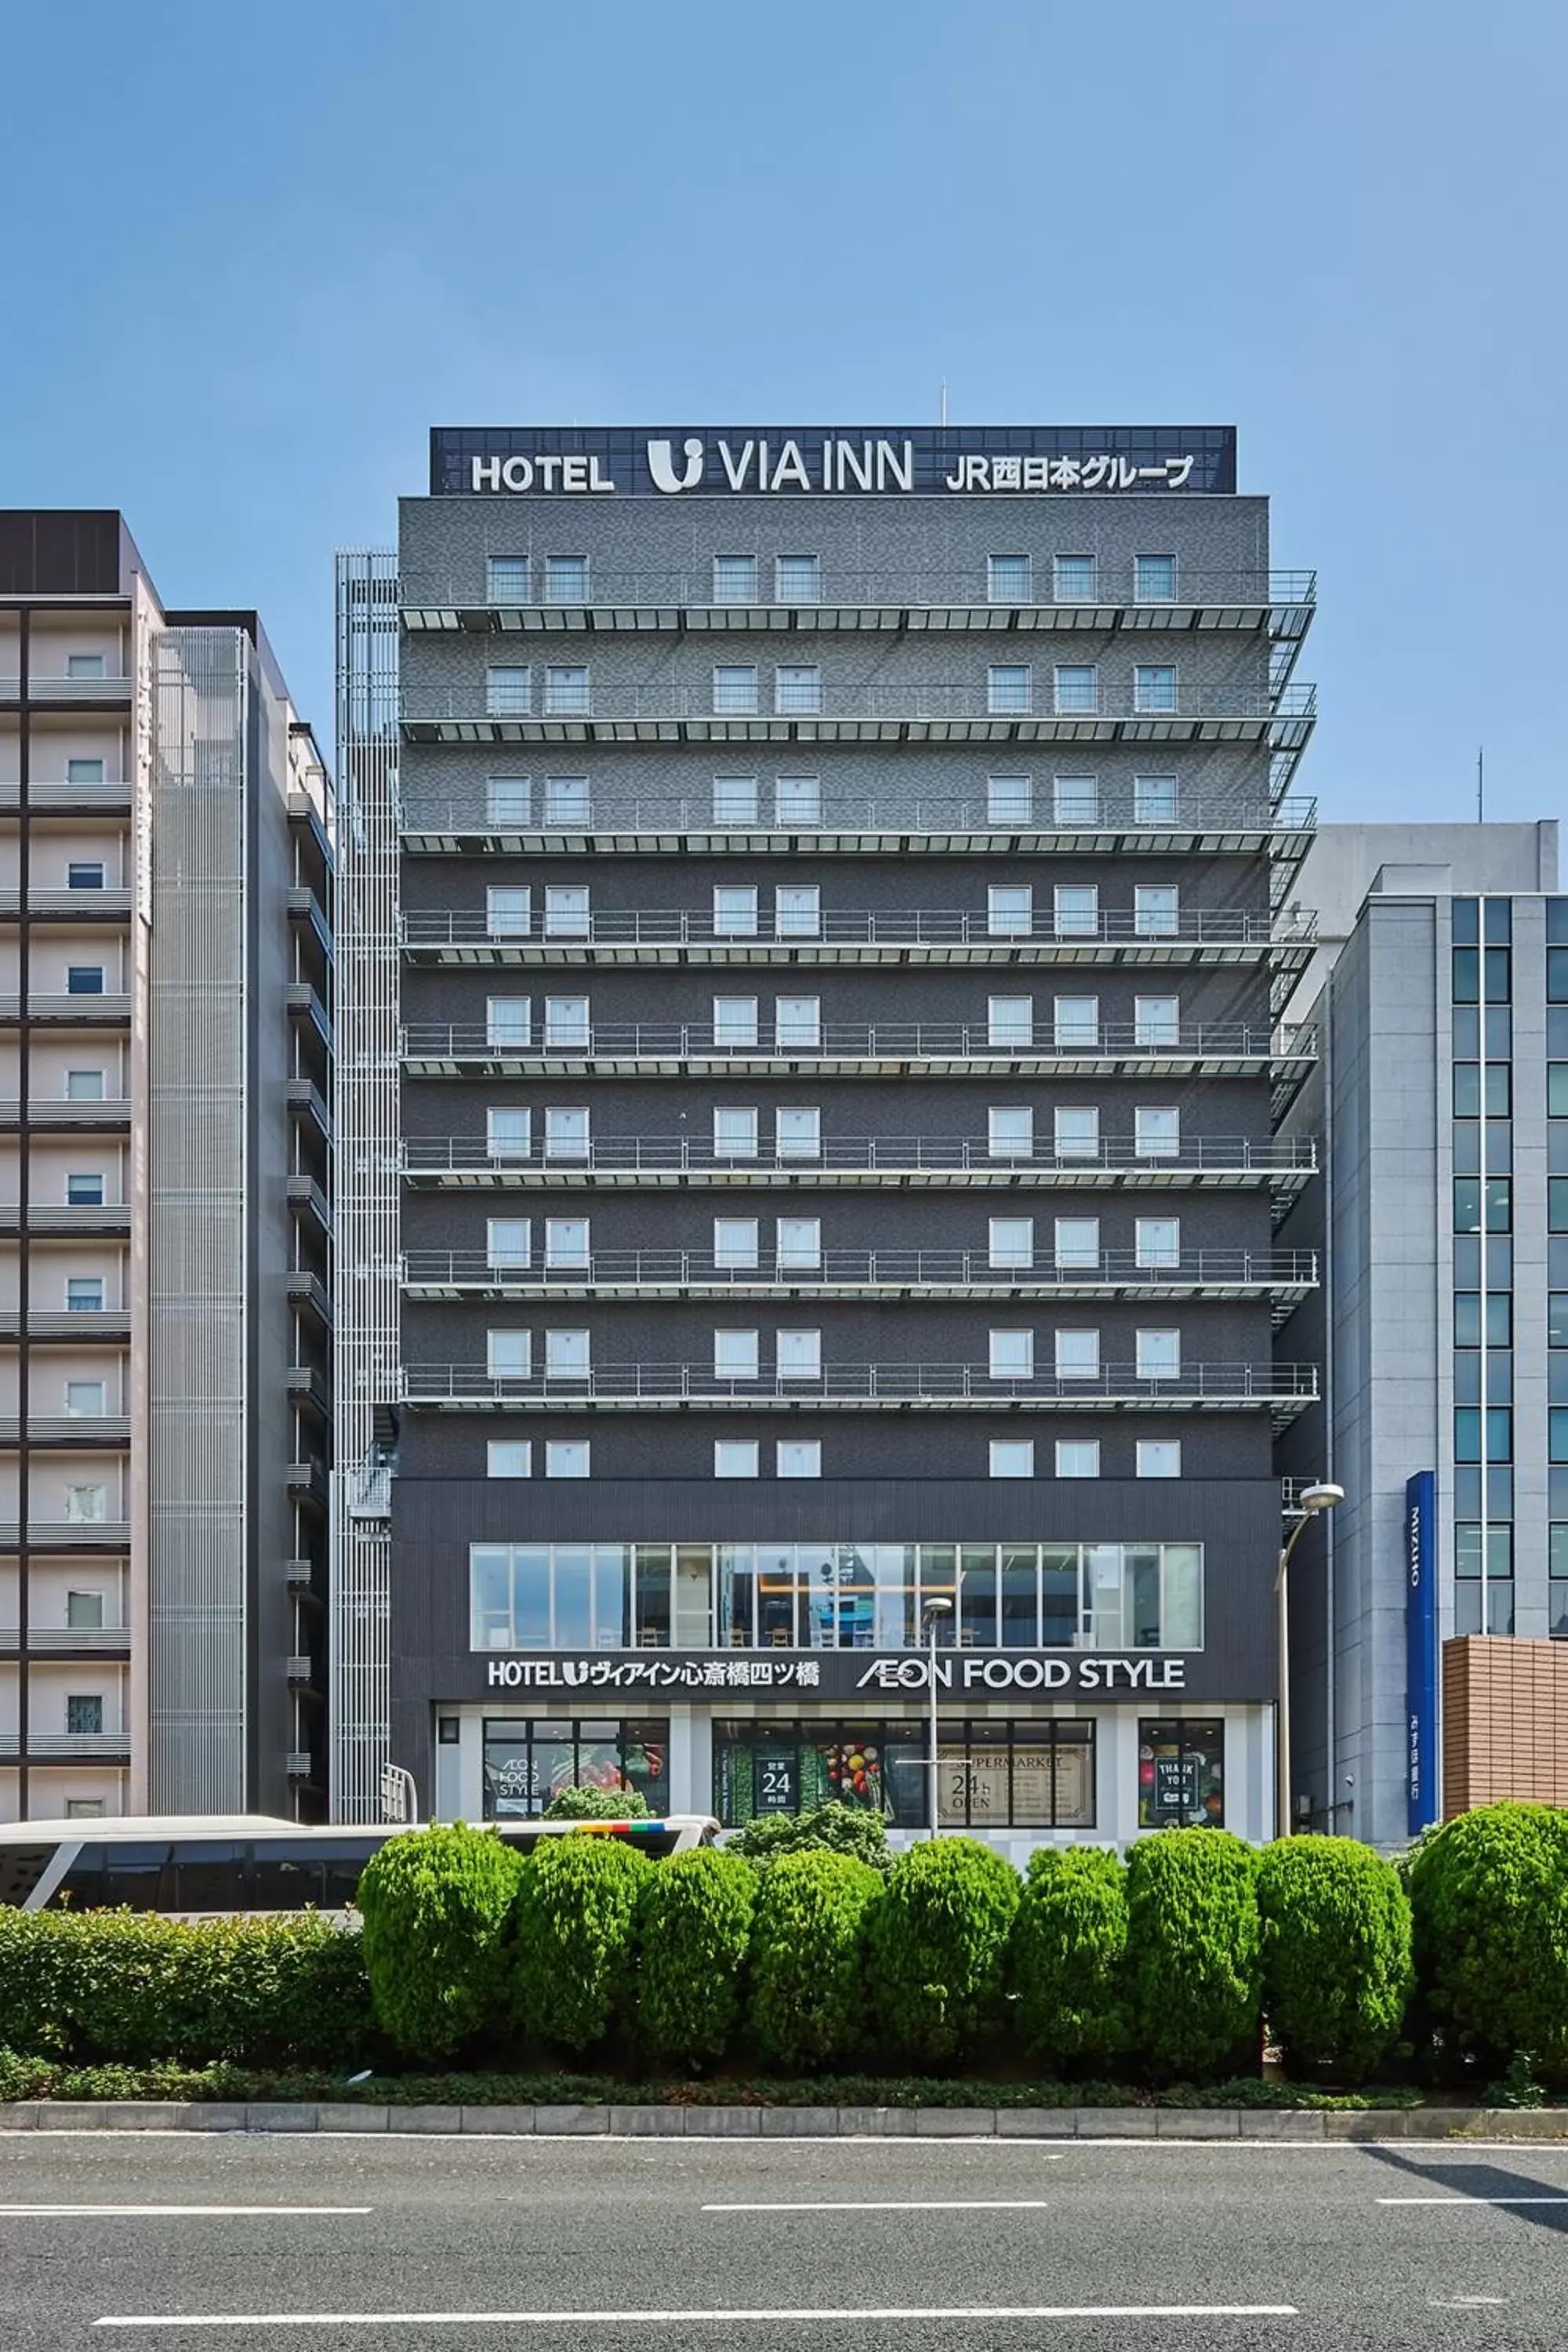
point(197, 1191)
point(365, 1123)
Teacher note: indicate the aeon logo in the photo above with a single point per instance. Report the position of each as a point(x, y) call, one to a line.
point(661, 465)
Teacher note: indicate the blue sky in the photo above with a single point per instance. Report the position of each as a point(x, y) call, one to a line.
point(272, 245)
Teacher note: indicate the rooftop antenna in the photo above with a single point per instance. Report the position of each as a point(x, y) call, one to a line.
point(942, 405)
point(1481, 786)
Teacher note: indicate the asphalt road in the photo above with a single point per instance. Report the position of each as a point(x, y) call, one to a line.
point(602, 2245)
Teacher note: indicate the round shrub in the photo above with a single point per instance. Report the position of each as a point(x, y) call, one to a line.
point(1489, 1896)
point(574, 1920)
point(939, 1946)
point(436, 1905)
point(1336, 1952)
point(694, 1924)
point(834, 1828)
point(1068, 1946)
point(589, 1804)
point(1194, 1991)
point(810, 1990)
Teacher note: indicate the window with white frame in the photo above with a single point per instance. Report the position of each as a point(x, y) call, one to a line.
point(1009, 579)
point(1157, 1241)
point(735, 800)
point(1075, 799)
point(797, 911)
point(509, 911)
point(566, 1355)
point(85, 1188)
point(798, 1355)
point(1011, 1243)
point(735, 1242)
point(1010, 691)
point(566, 799)
point(797, 800)
point(1076, 579)
point(734, 580)
point(1074, 1022)
point(84, 1294)
point(1157, 1021)
point(1078, 1457)
point(797, 1458)
point(1157, 1132)
point(797, 1244)
point(1077, 1245)
point(508, 579)
point(566, 580)
point(797, 1132)
point(1012, 1458)
point(797, 689)
point(84, 1400)
point(1156, 911)
point(568, 1244)
point(1009, 911)
point(509, 1134)
point(568, 1021)
point(1159, 1355)
point(85, 979)
point(735, 1457)
point(735, 690)
point(87, 1503)
point(735, 1131)
point(509, 1242)
point(509, 690)
point(508, 800)
point(509, 1355)
point(735, 1355)
point(509, 1457)
point(1077, 690)
point(509, 1020)
point(1159, 1457)
point(797, 1021)
point(1154, 687)
point(1009, 800)
point(85, 1086)
point(565, 1132)
point(1010, 1354)
point(1010, 1131)
point(1078, 1355)
point(734, 1020)
point(84, 772)
point(566, 910)
point(1077, 1130)
point(1075, 911)
point(1010, 1021)
point(1153, 579)
point(797, 580)
point(735, 911)
point(567, 1457)
point(1154, 800)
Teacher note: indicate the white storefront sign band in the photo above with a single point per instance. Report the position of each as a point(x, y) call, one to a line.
point(749, 467)
point(898, 1675)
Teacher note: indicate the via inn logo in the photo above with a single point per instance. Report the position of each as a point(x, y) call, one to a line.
point(662, 468)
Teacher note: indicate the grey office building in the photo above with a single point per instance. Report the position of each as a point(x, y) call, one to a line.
point(165, 1046)
point(813, 939)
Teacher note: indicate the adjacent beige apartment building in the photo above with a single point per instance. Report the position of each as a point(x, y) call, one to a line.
point(166, 876)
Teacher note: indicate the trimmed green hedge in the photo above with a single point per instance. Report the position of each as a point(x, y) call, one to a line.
point(1337, 1972)
point(813, 2002)
point(938, 1948)
point(1194, 1981)
point(573, 1922)
point(833, 1828)
point(694, 1927)
point(1489, 1892)
point(588, 1804)
point(437, 1905)
point(1067, 1956)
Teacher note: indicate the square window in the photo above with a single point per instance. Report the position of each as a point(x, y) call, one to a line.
point(509, 1457)
point(797, 1244)
point(1078, 1355)
point(84, 1809)
point(798, 1355)
point(509, 1355)
point(734, 1020)
point(1012, 1458)
point(86, 1504)
point(84, 772)
point(84, 1085)
point(1009, 911)
point(565, 1134)
point(735, 800)
point(84, 874)
point(1076, 579)
point(509, 1020)
point(566, 690)
point(735, 1457)
point(797, 911)
point(1077, 1132)
point(1157, 1133)
point(85, 1399)
point(1159, 1355)
point(84, 980)
point(735, 579)
point(1012, 1243)
point(567, 1356)
point(1078, 1457)
point(1076, 1022)
point(1156, 1021)
point(797, 800)
point(1075, 799)
point(1010, 1021)
point(84, 1189)
point(1077, 910)
point(84, 1715)
point(797, 580)
point(509, 912)
point(1154, 687)
point(509, 1242)
point(566, 800)
point(735, 1356)
point(1158, 1242)
point(1011, 1356)
point(1159, 1457)
point(1153, 579)
point(798, 1457)
point(84, 666)
point(1009, 579)
point(508, 579)
point(1011, 691)
point(509, 690)
point(509, 801)
point(735, 690)
point(1154, 800)
point(84, 1294)
point(1156, 911)
point(84, 1611)
point(1077, 1244)
point(1010, 1132)
point(797, 689)
point(799, 1134)
point(1009, 800)
point(797, 1022)
point(566, 580)
point(735, 1242)
point(568, 1244)
point(509, 1134)
point(566, 1457)
point(734, 911)
point(734, 1133)
point(1077, 690)
point(566, 911)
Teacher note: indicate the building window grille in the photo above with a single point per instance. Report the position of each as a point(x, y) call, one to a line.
point(1009, 800)
point(1076, 801)
point(797, 580)
point(797, 690)
point(1154, 800)
point(734, 580)
point(1077, 579)
point(735, 690)
point(508, 691)
point(1009, 579)
point(508, 579)
point(1011, 690)
point(566, 690)
point(566, 580)
point(1155, 689)
point(1154, 579)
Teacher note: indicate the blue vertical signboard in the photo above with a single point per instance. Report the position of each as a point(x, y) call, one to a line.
point(1420, 1649)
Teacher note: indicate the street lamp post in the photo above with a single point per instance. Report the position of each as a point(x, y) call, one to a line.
point(936, 1610)
point(1313, 1500)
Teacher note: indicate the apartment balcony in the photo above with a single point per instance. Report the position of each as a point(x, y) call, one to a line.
point(61, 1220)
point(85, 1325)
point(891, 1049)
point(1282, 1390)
point(1201, 935)
point(108, 1116)
point(1279, 605)
point(306, 911)
point(50, 690)
point(305, 1005)
point(307, 1199)
point(68, 1746)
point(308, 1105)
point(307, 1290)
point(69, 1535)
point(616, 820)
point(308, 1385)
point(54, 799)
point(75, 1433)
point(1283, 1276)
point(307, 1481)
point(107, 1010)
point(929, 1162)
point(79, 908)
point(66, 1641)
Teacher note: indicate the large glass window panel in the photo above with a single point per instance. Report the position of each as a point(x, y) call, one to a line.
point(1182, 1623)
point(977, 1597)
point(1140, 1600)
point(1059, 1595)
point(651, 1612)
point(1020, 1597)
point(1181, 1774)
point(530, 1597)
point(489, 1597)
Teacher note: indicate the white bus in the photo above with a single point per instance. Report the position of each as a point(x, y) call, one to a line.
point(192, 1864)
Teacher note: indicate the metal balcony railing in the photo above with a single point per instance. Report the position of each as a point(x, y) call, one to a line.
point(1191, 928)
point(907, 819)
point(875, 1156)
point(857, 1270)
point(1116, 593)
point(834, 702)
point(1228, 1384)
point(46, 686)
point(654, 1044)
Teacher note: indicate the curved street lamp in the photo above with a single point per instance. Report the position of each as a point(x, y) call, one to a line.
point(1313, 1502)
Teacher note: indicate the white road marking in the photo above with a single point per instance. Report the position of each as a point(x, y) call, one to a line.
point(1472, 2302)
point(892, 2205)
point(1473, 2201)
point(161, 2213)
point(726, 2318)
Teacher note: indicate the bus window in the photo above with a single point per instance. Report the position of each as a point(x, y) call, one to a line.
point(105, 1876)
point(208, 1877)
point(285, 1877)
point(341, 1865)
point(21, 1867)
point(85, 1886)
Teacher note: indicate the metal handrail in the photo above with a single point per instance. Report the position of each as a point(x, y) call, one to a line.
point(895, 927)
point(874, 1154)
point(642, 1040)
point(608, 810)
point(834, 698)
point(968, 585)
point(681, 1269)
point(865, 1383)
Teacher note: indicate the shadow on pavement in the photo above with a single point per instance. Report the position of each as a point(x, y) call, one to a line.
point(1477, 2177)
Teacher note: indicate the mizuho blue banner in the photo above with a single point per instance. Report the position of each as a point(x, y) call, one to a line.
point(1420, 1649)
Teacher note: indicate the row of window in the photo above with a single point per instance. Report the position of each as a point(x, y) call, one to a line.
point(1011, 1245)
point(1493, 1198)
point(797, 690)
point(1010, 909)
point(797, 1132)
point(567, 1355)
point(801, 1457)
point(797, 580)
point(1492, 1425)
point(1068, 800)
point(797, 1022)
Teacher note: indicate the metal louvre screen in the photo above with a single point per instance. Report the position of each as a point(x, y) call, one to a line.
point(365, 1124)
point(198, 1178)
